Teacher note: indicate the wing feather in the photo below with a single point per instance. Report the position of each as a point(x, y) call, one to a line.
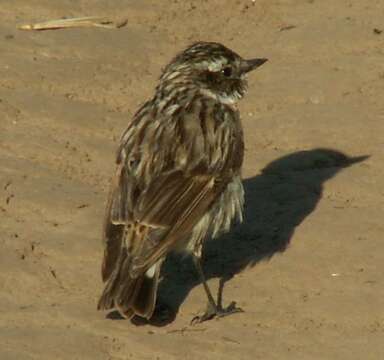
point(182, 208)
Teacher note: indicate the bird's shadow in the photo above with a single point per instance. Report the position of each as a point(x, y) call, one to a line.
point(277, 200)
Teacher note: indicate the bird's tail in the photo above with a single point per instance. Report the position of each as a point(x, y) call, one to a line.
point(130, 295)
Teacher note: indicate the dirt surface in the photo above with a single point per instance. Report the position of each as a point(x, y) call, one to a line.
point(307, 264)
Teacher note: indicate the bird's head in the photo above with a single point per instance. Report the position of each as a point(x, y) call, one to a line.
point(215, 70)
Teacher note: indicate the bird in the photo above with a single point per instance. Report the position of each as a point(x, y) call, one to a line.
point(178, 180)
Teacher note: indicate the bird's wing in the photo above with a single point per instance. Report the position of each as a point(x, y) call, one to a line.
point(158, 205)
point(176, 201)
point(165, 213)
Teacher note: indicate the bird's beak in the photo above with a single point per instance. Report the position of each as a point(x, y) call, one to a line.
point(252, 64)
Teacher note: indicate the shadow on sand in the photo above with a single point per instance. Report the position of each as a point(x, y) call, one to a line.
point(277, 201)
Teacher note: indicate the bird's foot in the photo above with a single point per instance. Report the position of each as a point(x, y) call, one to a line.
point(216, 312)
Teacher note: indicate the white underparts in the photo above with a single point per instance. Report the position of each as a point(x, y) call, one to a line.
point(151, 271)
point(218, 219)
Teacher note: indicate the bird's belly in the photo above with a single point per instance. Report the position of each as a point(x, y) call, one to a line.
point(227, 208)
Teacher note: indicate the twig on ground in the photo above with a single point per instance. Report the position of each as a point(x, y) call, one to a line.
point(88, 21)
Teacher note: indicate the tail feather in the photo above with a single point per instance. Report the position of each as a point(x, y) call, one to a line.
point(113, 235)
point(145, 299)
point(130, 295)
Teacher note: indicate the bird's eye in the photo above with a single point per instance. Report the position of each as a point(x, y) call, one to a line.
point(227, 71)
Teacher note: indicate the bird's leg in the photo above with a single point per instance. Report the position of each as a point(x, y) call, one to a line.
point(213, 309)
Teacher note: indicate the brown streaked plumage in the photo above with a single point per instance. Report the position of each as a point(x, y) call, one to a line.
point(178, 177)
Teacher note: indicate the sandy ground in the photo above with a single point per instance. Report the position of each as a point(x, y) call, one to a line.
point(307, 264)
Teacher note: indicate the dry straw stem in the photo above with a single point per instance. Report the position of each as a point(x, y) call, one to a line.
point(88, 21)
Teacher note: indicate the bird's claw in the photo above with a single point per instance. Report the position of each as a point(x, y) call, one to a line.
point(216, 312)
